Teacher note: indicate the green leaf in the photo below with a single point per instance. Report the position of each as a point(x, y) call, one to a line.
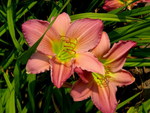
point(31, 88)
point(3, 29)
point(10, 105)
point(132, 110)
point(3, 13)
point(57, 95)
point(1, 106)
point(10, 86)
point(129, 31)
point(19, 14)
point(10, 23)
point(5, 97)
point(17, 76)
point(8, 60)
point(92, 5)
point(137, 11)
point(55, 105)
point(143, 52)
point(55, 10)
point(18, 105)
point(89, 106)
point(126, 101)
point(4, 42)
point(69, 6)
point(24, 10)
point(146, 106)
point(47, 95)
point(104, 17)
point(137, 62)
point(25, 109)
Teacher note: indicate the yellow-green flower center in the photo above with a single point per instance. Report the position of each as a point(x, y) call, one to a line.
point(102, 80)
point(65, 49)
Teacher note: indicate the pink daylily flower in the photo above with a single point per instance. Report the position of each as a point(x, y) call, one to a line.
point(110, 5)
point(64, 46)
point(102, 88)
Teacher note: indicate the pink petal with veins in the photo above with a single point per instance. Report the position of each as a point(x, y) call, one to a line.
point(117, 54)
point(81, 90)
point(104, 98)
point(38, 63)
point(87, 61)
point(62, 23)
point(60, 72)
point(87, 32)
point(122, 78)
point(103, 46)
point(34, 29)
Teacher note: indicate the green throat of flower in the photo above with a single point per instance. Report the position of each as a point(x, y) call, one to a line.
point(65, 49)
point(102, 80)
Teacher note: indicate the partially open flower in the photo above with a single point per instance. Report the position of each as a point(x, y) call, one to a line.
point(114, 4)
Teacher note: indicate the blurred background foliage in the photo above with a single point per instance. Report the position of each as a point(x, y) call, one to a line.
point(28, 93)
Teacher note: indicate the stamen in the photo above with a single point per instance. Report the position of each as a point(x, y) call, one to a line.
point(68, 49)
point(101, 80)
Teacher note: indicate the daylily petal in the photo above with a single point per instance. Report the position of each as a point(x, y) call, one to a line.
point(87, 32)
point(145, 0)
point(60, 72)
point(87, 61)
point(104, 98)
point(102, 47)
point(83, 74)
point(38, 63)
point(62, 23)
point(116, 56)
point(81, 90)
point(117, 64)
point(122, 78)
point(112, 4)
point(34, 29)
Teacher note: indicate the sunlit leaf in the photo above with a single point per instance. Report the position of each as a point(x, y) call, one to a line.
point(10, 105)
point(104, 17)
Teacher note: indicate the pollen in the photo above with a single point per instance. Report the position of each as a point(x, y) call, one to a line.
point(67, 51)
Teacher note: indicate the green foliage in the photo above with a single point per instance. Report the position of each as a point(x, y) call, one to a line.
point(128, 100)
point(144, 108)
point(29, 93)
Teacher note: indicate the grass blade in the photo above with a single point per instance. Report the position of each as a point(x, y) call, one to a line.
point(137, 62)
point(10, 105)
point(31, 88)
point(128, 100)
point(10, 23)
point(104, 17)
point(10, 87)
point(24, 10)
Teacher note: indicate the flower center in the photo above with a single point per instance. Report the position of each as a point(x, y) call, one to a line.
point(67, 49)
point(102, 80)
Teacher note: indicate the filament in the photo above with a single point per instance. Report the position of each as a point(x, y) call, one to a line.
point(68, 49)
